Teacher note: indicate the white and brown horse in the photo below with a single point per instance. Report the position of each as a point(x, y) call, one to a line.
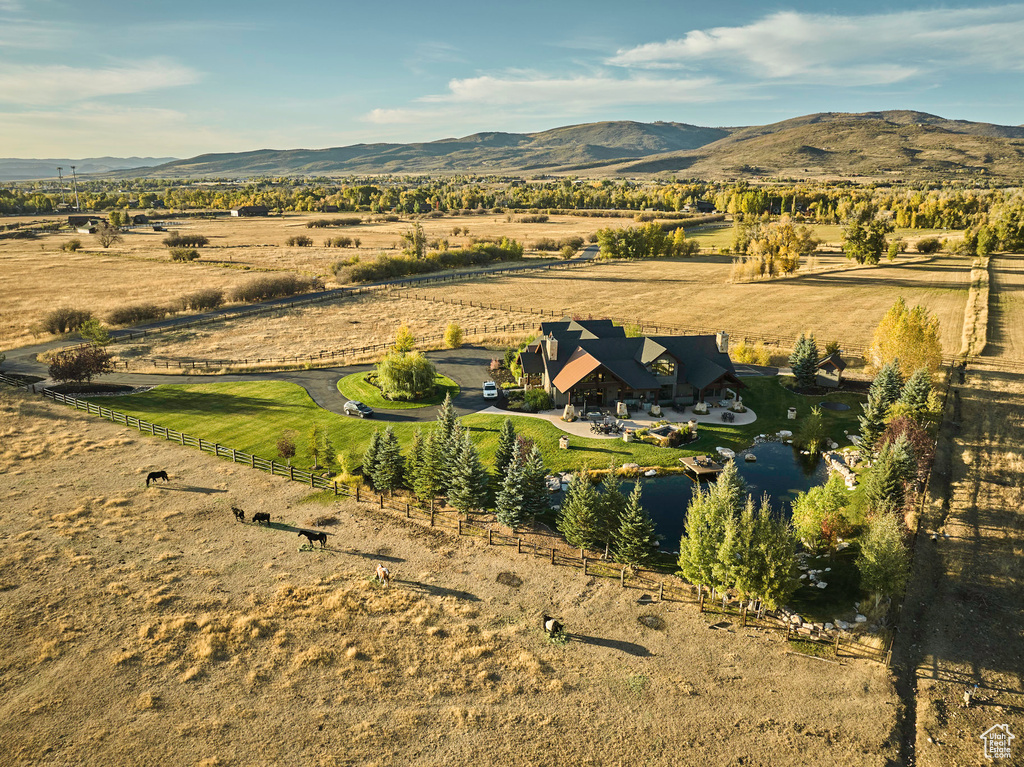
point(383, 576)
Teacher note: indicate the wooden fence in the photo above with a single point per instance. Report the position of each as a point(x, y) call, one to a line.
point(668, 588)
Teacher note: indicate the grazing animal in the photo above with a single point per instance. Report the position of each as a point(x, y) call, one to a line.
point(315, 537)
point(239, 514)
point(383, 576)
point(261, 516)
point(155, 475)
point(553, 627)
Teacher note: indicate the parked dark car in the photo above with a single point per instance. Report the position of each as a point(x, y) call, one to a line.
point(352, 407)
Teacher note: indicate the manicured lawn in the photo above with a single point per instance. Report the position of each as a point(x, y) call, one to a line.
point(356, 387)
point(252, 416)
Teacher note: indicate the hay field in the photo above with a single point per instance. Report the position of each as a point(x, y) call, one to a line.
point(1006, 307)
point(359, 321)
point(148, 627)
point(844, 305)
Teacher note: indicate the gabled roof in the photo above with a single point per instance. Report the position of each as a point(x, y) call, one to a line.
point(832, 360)
point(576, 368)
point(531, 361)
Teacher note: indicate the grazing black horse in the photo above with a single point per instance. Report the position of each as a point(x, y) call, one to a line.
point(261, 516)
point(239, 514)
point(315, 537)
point(155, 475)
point(553, 627)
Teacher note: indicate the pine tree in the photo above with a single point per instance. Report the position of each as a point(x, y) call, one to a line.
point(427, 482)
point(535, 487)
point(872, 421)
point(504, 453)
point(737, 558)
point(509, 506)
point(804, 362)
point(372, 455)
point(610, 505)
point(915, 394)
point(884, 561)
point(772, 580)
point(577, 517)
point(414, 462)
point(390, 465)
point(446, 419)
point(450, 452)
point(705, 527)
point(884, 485)
point(469, 479)
point(633, 541)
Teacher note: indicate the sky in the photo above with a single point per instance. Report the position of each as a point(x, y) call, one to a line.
point(122, 78)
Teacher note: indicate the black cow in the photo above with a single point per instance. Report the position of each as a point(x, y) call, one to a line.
point(155, 475)
point(315, 537)
point(261, 516)
point(239, 514)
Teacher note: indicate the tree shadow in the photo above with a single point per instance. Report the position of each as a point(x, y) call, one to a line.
point(630, 648)
point(437, 591)
point(368, 555)
point(189, 489)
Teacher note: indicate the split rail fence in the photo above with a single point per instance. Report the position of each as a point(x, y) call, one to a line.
point(668, 588)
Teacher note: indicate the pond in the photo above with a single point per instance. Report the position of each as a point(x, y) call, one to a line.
point(780, 471)
point(834, 405)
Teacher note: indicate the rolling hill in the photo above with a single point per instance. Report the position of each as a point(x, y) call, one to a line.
point(14, 169)
point(890, 144)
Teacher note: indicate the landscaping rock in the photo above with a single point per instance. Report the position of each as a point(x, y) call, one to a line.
point(822, 584)
point(861, 618)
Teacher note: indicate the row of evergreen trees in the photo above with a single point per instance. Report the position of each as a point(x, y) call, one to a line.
point(731, 543)
point(444, 463)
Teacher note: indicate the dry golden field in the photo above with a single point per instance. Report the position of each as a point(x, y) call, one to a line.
point(346, 324)
point(843, 305)
point(1006, 308)
point(147, 627)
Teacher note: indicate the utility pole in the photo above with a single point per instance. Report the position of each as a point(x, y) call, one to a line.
point(78, 208)
point(60, 180)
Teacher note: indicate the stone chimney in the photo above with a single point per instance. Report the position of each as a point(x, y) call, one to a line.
point(722, 339)
point(552, 345)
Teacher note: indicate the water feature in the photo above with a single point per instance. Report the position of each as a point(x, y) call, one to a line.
point(834, 405)
point(780, 471)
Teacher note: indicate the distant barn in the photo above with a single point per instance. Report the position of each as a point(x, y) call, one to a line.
point(250, 210)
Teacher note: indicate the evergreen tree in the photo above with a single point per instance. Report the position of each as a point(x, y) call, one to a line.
point(577, 517)
point(888, 383)
point(469, 479)
point(610, 505)
point(504, 453)
point(535, 487)
point(428, 480)
point(885, 484)
point(509, 506)
point(915, 394)
point(446, 420)
point(872, 421)
point(450, 452)
point(818, 514)
point(706, 519)
point(737, 556)
point(414, 462)
point(772, 580)
point(390, 465)
point(884, 561)
point(804, 362)
point(731, 487)
point(633, 541)
point(372, 455)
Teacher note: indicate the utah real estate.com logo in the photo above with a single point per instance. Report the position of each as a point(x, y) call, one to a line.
point(997, 741)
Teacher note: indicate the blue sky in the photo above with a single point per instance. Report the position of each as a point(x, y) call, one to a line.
point(112, 77)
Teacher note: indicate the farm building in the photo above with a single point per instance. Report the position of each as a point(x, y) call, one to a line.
point(830, 370)
point(250, 210)
point(592, 362)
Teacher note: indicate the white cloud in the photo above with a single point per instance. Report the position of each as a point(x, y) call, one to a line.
point(59, 84)
point(831, 49)
point(531, 93)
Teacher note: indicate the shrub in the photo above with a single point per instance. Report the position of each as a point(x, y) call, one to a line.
point(202, 300)
point(537, 219)
point(182, 239)
point(80, 364)
point(72, 245)
point(322, 223)
point(277, 286)
point(93, 331)
point(300, 241)
point(184, 254)
point(453, 336)
point(545, 244)
point(535, 400)
point(406, 376)
point(338, 242)
point(929, 245)
point(64, 320)
point(386, 267)
point(133, 314)
point(753, 354)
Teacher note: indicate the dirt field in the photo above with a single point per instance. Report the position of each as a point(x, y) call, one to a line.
point(846, 305)
point(146, 626)
point(347, 324)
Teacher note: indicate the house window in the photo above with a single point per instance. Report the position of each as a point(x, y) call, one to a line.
point(663, 367)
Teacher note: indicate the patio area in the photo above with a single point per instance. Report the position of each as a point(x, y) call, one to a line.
point(581, 427)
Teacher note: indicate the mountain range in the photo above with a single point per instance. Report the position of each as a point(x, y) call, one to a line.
point(889, 145)
point(14, 169)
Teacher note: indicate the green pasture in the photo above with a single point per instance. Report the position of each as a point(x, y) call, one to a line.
point(252, 417)
point(355, 386)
